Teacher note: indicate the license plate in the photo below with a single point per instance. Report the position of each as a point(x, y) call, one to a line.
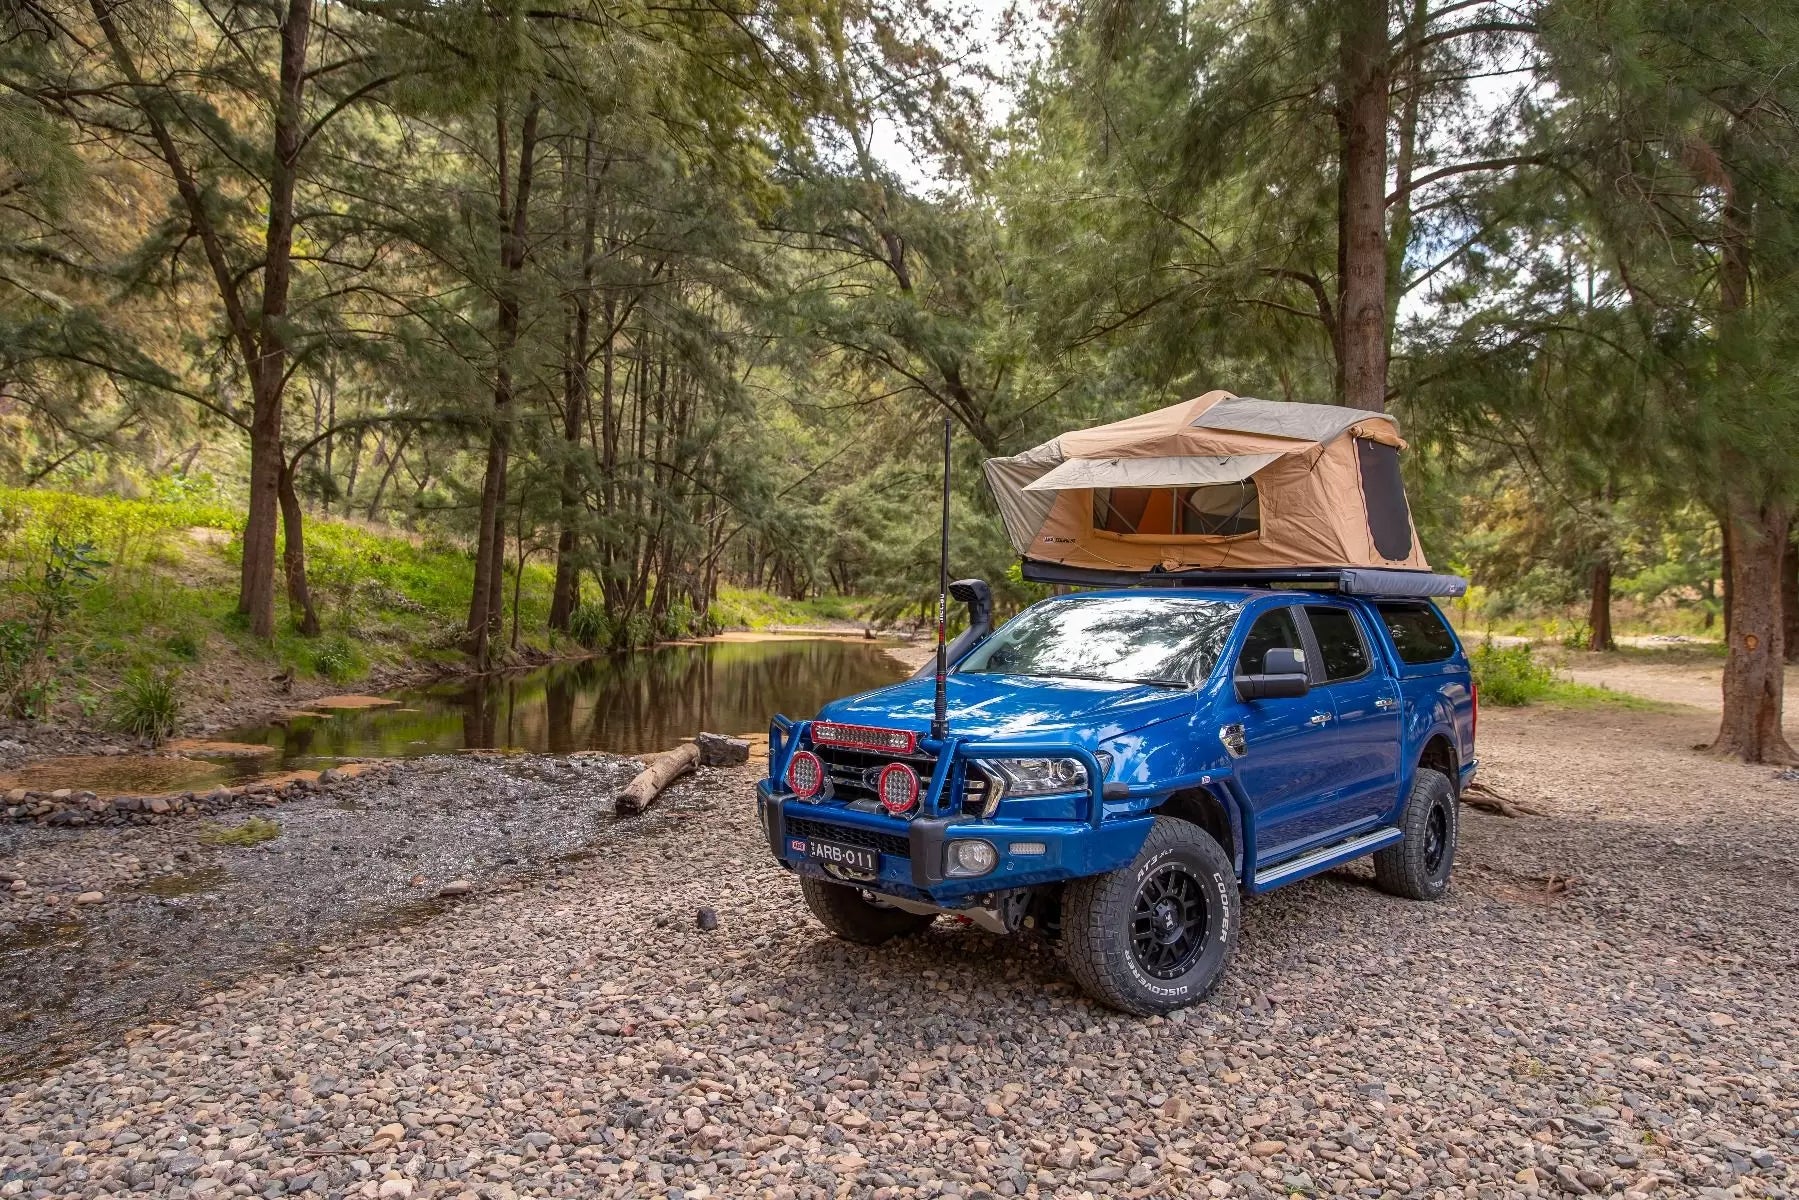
point(858, 860)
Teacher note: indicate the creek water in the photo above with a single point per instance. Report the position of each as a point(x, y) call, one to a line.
point(623, 704)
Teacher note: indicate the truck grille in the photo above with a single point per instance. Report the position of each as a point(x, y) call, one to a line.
point(852, 772)
point(849, 835)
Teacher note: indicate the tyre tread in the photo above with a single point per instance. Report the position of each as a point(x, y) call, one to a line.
point(1399, 869)
point(1095, 956)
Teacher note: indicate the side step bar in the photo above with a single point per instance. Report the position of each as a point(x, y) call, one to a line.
point(1325, 858)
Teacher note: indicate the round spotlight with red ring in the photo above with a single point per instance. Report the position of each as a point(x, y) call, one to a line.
point(805, 774)
point(897, 785)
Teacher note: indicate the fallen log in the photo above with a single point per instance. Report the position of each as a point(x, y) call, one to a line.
point(1484, 798)
point(660, 771)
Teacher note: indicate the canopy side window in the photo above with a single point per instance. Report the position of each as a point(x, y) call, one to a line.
point(1214, 510)
point(1383, 493)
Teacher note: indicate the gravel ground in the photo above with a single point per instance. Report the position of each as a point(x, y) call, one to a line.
point(1604, 1003)
point(104, 927)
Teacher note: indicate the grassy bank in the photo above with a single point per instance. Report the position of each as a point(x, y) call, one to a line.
point(742, 608)
point(102, 589)
point(98, 594)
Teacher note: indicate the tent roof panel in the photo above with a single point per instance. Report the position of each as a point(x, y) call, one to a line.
point(1174, 471)
point(1273, 418)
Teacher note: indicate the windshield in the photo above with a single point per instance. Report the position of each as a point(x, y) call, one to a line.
point(1121, 639)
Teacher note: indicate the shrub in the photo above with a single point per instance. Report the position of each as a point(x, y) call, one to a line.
point(29, 672)
point(1510, 675)
point(336, 659)
point(184, 644)
point(147, 704)
point(679, 621)
point(638, 630)
point(253, 832)
point(590, 625)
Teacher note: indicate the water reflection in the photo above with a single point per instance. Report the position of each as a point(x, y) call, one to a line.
point(626, 704)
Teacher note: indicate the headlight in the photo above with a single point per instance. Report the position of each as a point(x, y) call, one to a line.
point(1035, 776)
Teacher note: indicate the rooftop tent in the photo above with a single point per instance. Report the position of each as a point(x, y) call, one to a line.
point(1220, 482)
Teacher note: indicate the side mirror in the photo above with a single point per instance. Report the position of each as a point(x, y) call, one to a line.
point(1283, 676)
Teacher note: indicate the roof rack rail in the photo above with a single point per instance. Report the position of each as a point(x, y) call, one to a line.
point(1351, 581)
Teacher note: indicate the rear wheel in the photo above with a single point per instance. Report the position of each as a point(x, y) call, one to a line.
point(1418, 866)
point(1154, 936)
point(852, 917)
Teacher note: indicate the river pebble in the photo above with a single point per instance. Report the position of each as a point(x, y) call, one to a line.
point(1631, 1033)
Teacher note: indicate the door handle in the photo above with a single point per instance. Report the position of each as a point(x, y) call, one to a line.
point(1386, 702)
point(1319, 719)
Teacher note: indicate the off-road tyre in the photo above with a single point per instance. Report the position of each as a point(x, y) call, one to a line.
point(844, 912)
point(1113, 925)
point(1418, 866)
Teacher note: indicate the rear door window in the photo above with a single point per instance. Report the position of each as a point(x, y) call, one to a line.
point(1418, 632)
point(1340, 642)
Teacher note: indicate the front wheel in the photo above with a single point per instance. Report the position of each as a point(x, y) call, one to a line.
point(1417, 866)
point(1154, 936)
point(846, 913)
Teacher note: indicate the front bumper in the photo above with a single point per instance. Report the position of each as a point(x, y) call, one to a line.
point(913, 852)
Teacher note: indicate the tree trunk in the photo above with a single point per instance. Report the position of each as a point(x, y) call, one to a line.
point(260, 340)
point(1756, 530)
point(1755, 534)
point(576, 392)
point(268, 371)
point(393, 464)
point(1599, 612)
point(1789, 597)
point(293, 556)
point(485, 607)
point(1362, 100)
point(330, 442)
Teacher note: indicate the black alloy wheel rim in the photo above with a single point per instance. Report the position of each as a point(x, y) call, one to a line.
point(1170, 922)
point(1436, 839)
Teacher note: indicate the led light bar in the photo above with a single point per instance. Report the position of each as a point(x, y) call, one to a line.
point(864, 737)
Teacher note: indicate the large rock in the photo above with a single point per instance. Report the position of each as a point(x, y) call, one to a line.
point(717, 750)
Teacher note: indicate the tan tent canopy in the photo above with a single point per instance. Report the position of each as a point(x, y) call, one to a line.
point(1216, 482)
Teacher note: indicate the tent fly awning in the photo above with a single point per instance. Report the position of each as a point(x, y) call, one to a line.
point(1190, 470)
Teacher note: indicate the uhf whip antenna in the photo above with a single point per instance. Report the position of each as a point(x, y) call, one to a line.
point(940, 713)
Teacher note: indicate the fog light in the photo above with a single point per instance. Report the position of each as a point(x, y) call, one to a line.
point(805, 774)
point(1029, 848)
point(897, 785)
point(972, 857)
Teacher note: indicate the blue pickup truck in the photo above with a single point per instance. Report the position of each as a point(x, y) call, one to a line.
point(1122, 766)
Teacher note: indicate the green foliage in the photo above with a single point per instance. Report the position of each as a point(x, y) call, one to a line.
point(636, 631)
point(1511, 675)
point(253, 832)
point(678, 621)
point(336, 659)
point(742, 607)
point(184, 645)
point(147, 704)
point(29, 670)
point(590, 625)
point(1514, 675)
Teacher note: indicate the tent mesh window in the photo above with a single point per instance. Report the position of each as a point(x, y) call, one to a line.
point(1214, 510)
point(1383, 492)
